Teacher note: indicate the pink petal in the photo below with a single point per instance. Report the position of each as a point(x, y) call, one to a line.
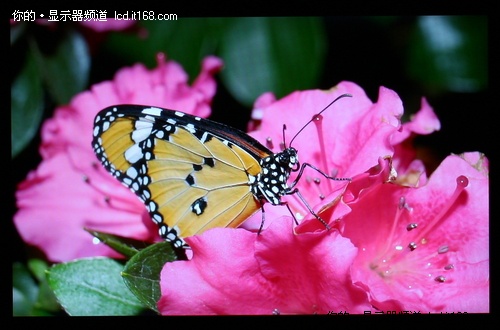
point(70, 190)
point(234, 271)
point(355, 133)
point(478, 161)
point(108, 25)
point(423, 122)
point(343, 202)
point(52, 213)
point(451, 244)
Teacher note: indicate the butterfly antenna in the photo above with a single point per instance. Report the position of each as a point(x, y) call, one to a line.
point(284, 142)
point(316, 115)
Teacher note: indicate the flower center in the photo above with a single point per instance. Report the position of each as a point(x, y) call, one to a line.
point(318, 122)
point(409, 249)
point(315, 185)
point(316, 181)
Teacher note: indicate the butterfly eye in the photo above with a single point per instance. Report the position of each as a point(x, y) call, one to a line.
point(288, 158)
point(284, 158)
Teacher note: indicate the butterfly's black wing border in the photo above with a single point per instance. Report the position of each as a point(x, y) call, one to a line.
point(200, 126)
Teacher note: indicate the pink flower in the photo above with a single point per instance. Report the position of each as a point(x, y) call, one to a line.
point(278, 270)
point(411, 171)
point(349, 139)
point(108, 25)
point(425, 249)
point(234, 271)
point(70, 191)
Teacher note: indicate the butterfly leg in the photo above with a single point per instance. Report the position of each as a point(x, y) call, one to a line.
point(290, 210)
point(303, 166)
point(296, 191)
point(263, 216)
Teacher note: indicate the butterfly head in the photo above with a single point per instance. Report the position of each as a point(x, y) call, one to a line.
point(288, 158)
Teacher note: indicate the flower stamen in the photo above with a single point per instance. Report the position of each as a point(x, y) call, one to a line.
point(411, 226)
point(269, 143)
point(317, 181)
point(395, 259)
point(443, 249)
point(318, 122)
point(399, 212)
point(161, 62)
point(462, 183)
point(440, 279)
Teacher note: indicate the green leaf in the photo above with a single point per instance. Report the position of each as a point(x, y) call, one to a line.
point(277, 54)
point(91, 287)
point(126, 246)
point(26, 106)
point(16, 32)
point(38, 268)
point(450, 53)
point(31, 294)
point(46, 300)
point(142, 272)
point(24, 291)
point(186, 41)
point(66, 71)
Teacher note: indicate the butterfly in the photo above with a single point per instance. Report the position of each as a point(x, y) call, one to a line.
point(193, 174)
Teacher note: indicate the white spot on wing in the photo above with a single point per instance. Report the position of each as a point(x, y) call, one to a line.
point(133, 154)
point(142, 124)
point(190, 128)
point(204, 137)
point(142, 131)
point(132, 172)
point(152, 111)
point(157, 219)
point(197, 209)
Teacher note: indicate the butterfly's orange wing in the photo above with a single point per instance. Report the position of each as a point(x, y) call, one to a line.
point(192, 174)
